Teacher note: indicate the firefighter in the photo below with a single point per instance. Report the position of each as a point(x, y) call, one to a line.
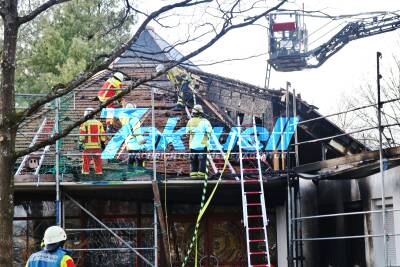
point(110, 88)
point(199, 130)
point(183, 82)
point(124, 117)
point(91, 141)
point(134, 142)
point(53, 254)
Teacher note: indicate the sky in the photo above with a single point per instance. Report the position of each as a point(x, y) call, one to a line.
point(325, 87)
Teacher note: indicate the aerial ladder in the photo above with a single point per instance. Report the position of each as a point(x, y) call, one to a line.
point(288, 39)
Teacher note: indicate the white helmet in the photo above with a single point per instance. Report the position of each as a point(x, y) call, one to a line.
point(54, 234)
point(119, 76)
point(88, 110)
point(197, 109)
point(160, 67)
point(130, 105)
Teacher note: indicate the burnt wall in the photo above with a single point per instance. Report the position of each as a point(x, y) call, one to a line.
point(332, 197)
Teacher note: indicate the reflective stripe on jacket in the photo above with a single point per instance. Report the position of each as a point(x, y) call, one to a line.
point(58, 258)
point(199, 130)
point(112, 83)
point(92, 134)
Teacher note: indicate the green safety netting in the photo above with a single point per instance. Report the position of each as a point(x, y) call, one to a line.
point(70, 156)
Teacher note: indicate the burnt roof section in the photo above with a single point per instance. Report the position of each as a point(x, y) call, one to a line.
point(350, 167)
point(320, 128)
point(151, 49)
point(74, 104)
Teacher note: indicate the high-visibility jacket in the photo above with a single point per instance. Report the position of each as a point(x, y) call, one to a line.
point(199, 130)
point(105, 93)
point(92, 134)
point(44, 258)
point(178, 76)
point(135, 139)
point(125, 117)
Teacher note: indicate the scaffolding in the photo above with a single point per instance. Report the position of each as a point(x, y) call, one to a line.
point(294, 210)
point(123, 234)
point(120, 236)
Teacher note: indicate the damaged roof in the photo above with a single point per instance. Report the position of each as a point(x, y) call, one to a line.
point(135, 62)
point(351, 166)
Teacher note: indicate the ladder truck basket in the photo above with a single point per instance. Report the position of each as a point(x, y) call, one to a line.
point(287, 35)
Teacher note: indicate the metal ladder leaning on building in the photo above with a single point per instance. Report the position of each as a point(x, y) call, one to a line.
point(46, 129)
point(253, 202)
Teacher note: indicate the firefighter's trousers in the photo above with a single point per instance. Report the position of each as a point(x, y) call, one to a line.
point(199, 160)
point(88, 155)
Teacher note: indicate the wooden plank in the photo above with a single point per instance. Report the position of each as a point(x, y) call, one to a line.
point(163, 226)
point(216, 112)
point(365, 156)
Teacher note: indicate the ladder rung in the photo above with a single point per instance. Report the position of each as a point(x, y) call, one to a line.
point(253, 193)
point(260, 265)
point(247, 125)
point(257, 252)
point(254, 216)
point(256, 240)
point(249, 158)
point(250, 169)
point(253, 204)
point(255, 228)
point(251, 181)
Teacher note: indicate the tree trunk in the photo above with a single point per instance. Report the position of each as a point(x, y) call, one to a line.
point(7, 132)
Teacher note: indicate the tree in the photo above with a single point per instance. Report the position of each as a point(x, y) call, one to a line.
point(360, 111)
point(226, 16)
point(58, 46)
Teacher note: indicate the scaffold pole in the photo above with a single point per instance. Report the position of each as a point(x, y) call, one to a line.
point(381, 167)
point(58, 193)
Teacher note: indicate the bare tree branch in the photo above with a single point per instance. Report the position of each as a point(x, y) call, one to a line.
point(228, 26)
point(39, 10)
point(94, 68)
point(121, 21)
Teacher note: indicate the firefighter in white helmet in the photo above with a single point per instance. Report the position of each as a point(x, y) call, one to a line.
point(199, 130)
point(53, 254)
point(135, 141)
point(112, 87)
